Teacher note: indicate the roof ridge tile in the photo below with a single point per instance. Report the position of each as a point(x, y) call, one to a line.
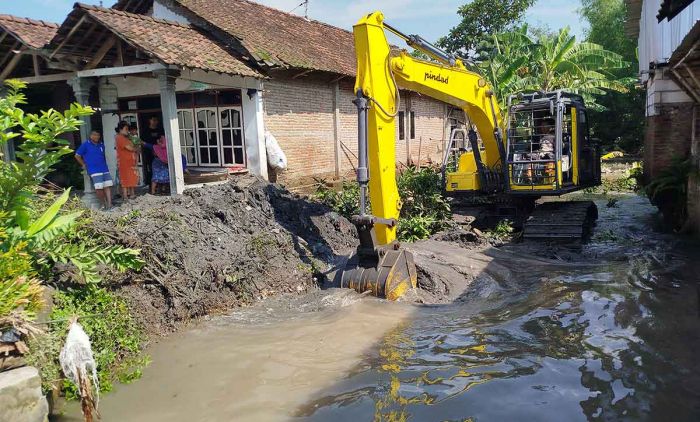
point(20, 19)
point(130, 15)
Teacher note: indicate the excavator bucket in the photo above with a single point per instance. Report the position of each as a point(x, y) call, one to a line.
point(387, 272)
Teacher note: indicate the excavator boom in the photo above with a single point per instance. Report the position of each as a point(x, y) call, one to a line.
point(485, 165)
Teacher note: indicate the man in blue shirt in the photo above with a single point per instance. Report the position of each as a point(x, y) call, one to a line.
point(91, 156)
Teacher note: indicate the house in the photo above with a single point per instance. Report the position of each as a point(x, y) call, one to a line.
point(668, 34)
point(219, 73)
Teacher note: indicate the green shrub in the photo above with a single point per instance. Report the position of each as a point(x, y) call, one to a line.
point(669, 190)
point(424, 211)
point(345, 201)
point(503, 230)
point(20, 291)
point(114, 335)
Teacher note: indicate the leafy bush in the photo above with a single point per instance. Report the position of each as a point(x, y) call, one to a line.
point(114, 335)
point(345, 201)
point(35, 235)
point(424, 211)
point(20, 291)
point(669, 190)
point(503, 230)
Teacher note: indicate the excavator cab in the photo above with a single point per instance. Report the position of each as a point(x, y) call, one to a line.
point(549, 149)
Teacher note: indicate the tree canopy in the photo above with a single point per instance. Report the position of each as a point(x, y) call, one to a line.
point(622, 125)
point(480, 18)
point(516, 60)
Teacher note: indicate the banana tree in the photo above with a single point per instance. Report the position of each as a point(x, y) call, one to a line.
point(585, 68)
point(515, 61)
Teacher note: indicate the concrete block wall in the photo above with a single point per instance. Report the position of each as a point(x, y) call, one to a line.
point(301, 114)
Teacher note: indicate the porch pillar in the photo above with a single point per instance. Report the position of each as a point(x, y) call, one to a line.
point(81, 90)
point(166, 80)
point(6, 149)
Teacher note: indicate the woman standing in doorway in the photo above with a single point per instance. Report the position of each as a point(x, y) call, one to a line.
point(126, 161)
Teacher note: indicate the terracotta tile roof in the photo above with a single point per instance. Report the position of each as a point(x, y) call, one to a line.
point(33, 33)
point(170, 42)
point(278, 38)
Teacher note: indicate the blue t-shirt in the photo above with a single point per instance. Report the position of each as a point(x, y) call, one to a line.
point(94, 157)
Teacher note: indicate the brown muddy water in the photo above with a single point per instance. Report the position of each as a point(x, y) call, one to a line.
point(611, 335)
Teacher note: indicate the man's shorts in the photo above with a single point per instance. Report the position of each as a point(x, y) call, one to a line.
point(101, 180)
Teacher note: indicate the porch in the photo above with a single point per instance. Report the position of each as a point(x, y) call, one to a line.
point(133, 67)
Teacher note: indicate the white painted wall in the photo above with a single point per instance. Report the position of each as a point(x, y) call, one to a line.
point(658, 40)
point(160, 11)
point(661, 89)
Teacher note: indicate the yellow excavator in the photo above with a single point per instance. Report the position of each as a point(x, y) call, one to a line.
point(543, 149)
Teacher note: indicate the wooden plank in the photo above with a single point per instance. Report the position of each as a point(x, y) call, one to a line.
point(85, 36)
point(70, 33)
point(100, 54)
point(35, 63)
point(10, 66)
point(48, 78)
point(9, 54)
point(124, 70)
point(336, 127)
point(120, 54)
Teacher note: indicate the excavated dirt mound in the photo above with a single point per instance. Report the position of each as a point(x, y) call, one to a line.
point(222, 246)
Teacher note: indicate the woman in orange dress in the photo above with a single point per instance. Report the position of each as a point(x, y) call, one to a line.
point(126, 160)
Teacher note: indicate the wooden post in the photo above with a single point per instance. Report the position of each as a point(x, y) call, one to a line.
point(166, 80)
point(336, 127)
point(407, 127)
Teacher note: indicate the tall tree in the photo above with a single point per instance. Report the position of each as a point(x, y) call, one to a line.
point(480, 19)
point(517, 61)
point(622, 124)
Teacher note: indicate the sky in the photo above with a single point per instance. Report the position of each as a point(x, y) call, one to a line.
point(430, 19)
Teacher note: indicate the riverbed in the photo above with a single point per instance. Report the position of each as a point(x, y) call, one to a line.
point(609, 330)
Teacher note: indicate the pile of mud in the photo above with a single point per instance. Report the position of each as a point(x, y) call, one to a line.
point(222, 246)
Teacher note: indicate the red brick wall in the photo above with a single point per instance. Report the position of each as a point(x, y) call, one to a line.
point(300, 113)
point(694, 183)
point(667, 135)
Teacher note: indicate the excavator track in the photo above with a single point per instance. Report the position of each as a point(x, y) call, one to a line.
point(561, 220)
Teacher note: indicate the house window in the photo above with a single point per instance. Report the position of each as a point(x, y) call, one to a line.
point(185, 122)
point(210, 125)
point(232, 147)
point(402, 125)
point(412, 124)
point(208, 136)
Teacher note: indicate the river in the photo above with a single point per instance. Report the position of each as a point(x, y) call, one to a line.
point(614, 335)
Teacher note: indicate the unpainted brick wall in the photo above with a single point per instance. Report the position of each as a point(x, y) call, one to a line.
point(694, 182)
point(300, 113)
point(668, 135)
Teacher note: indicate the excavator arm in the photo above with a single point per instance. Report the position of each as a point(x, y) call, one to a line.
point(380, 74)
point(380, 264)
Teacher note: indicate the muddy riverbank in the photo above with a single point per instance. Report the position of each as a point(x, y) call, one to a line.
point(607, 331)
point(220, 247)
